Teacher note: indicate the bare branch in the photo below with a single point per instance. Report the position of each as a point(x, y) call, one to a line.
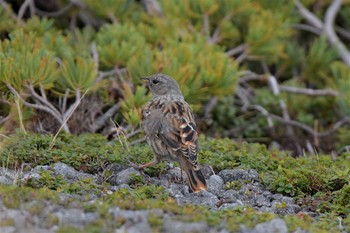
point(242, 57)
point(236, 50)
point(101, 121)
point(137, 141)
point(215, 37)
point(36, 106)
point(4, 119)
point(24, 6)
point(104, 74)
point(43, 101)
point(308, 16)
point(133, 133)
point(64, 101)
point(247, 76)
point(66, 117)
point(58, 13)
point(327, 27)
point(310, 130)
point(310, 92)
point(95, 55)
point(329, 30)
point(343, 32)
point(308, 28)
point(276, 91)
point(71, 109)
point(152, 7)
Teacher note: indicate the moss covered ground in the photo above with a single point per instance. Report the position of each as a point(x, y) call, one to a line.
point(319, 182)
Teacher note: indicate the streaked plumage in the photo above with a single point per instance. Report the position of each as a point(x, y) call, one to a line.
point(170, 128)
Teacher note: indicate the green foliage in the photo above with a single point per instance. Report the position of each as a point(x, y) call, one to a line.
point(47, 179)
point(108, 9)
point(23, 61)
point(115, 45)
point(235, 185)
point(133, 103)
point(6, 22)
point(318, 58)
point(77, 74)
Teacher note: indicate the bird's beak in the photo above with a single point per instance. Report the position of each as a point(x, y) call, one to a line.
point(145, 79)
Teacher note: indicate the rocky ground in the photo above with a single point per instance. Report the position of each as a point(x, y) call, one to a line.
point(229, 189)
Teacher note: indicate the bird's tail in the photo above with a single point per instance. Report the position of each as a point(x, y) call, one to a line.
point(196, 179)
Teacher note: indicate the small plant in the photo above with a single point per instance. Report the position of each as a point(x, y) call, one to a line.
point(235, 185)
point(281, 205)
point(136, 180)
point(49, 180)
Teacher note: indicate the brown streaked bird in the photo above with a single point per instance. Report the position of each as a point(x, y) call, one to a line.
point(170, 129)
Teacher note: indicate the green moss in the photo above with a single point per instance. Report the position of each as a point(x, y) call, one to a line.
point(68, 229)
point(155, 221)
point(7, 222)
point(319, 182)
point(13, 196)
point(152, 197)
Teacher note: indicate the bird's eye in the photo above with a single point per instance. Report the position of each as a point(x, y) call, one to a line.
point(155, 82)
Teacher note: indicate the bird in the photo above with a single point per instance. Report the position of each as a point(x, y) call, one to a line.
point(170, 129)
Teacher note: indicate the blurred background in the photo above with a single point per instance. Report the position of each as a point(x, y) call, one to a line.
point(275, 72)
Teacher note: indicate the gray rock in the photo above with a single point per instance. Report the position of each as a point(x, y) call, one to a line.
point(177, 191)
point(215, 184)
point(123, 177)
point(171, 226)
point(8, 229)
point(267, 194)
point(266, 209)
point(40, 168)
point(277, 197)
point(115, 188)
point(262, 200)
point(229, 175)
point(75, 217)
point(288, 200)
point(229, 206)
point(230, 195)
point(201, 198)
point(299, 230)
point(115, 168)
point(276, 225)
point(135, 221)
point(69, 173)
point(207, 171)
point(7, 176)
point(175, 173)
point(289, 209)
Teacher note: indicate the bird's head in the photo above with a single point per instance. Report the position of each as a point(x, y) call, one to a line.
point(161, 85)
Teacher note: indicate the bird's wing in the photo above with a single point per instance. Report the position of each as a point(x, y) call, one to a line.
point(178, 130)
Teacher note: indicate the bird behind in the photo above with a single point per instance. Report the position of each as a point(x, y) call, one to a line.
point(170, 129)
